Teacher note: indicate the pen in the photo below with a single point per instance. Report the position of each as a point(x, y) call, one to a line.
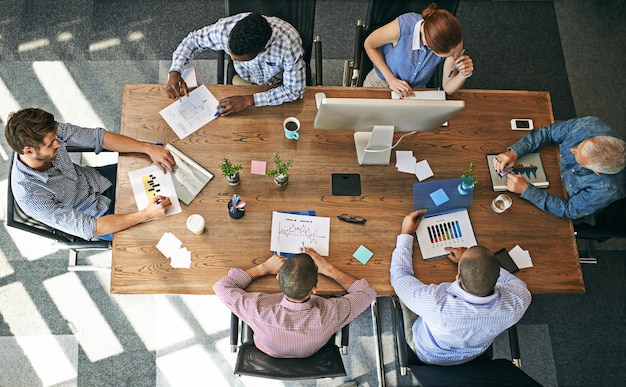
point(218, 112)
point(157, 143)
point(454, 67)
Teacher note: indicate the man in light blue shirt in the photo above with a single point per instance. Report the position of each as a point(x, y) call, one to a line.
point(455, 322)
point(593, 157)
point(265, 51)
point(75, 199)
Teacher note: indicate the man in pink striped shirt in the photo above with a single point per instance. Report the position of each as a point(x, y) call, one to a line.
point(295, 323)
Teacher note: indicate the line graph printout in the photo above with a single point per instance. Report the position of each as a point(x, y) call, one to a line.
point(290, 232)
point(188, 114)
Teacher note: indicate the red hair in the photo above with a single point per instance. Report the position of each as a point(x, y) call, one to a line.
point(441, 29)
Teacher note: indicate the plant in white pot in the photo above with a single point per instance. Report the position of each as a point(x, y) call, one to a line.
point(280, 172)
point(231, 171)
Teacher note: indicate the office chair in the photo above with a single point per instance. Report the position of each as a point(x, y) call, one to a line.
point(609, 224)
point(300, 14)
point(482, 371)
point(379, 13)
point(325, 363)
point(17, 218)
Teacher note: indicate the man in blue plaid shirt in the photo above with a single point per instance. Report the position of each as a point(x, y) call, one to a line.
point(75, 199)
point(265, 51)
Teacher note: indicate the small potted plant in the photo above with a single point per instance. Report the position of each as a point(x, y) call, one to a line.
point(231, 171)
point(468, 181)
point(280, 173)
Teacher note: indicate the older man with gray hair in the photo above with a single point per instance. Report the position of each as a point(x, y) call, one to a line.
point(593, 157)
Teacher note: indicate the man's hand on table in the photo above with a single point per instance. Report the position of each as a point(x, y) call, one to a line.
point(235, 103)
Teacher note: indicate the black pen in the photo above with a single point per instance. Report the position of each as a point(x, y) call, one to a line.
point(454, 67)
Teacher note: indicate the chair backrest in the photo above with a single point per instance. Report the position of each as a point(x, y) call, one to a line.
point(497, 372)
point(325, 363)
point(609, 223)
point(381, 12)
point(300, 14)
point(17, 218)
point(482, 371)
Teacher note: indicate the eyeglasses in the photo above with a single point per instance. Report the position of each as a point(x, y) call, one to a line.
point(352, 219)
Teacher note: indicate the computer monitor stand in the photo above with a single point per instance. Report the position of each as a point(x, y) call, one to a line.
point(374, 148)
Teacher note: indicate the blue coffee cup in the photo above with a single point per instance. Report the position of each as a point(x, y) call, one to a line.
point(291, 126)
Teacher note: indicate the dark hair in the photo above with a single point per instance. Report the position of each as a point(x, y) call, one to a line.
point(297, 276)
point(249, 36)
point(28, 127)
point(441, 29)
point(479, 271)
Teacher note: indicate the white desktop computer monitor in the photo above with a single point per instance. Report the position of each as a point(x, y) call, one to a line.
point(375, 121)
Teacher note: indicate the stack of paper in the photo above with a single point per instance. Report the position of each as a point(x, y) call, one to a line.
point(406, 162)
point(521, 257)
point(170, 246)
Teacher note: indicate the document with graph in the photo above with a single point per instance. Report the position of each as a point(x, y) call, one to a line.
point(150, 182)
point(290, 232)
point(437, 232)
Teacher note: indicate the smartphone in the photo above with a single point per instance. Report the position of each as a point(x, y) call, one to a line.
point(522, 124)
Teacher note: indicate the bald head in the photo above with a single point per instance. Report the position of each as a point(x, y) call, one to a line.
point(479, 270)
point(297, 276)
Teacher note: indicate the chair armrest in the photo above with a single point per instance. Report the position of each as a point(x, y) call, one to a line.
point(234, 332)
point(220, 67)
point(345, 333)
point(398, 321)
point(514, 344)
point(317, 47)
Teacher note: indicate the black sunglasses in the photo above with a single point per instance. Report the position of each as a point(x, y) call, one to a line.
point(352, 219)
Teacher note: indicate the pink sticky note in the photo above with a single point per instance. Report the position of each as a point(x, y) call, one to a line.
point(258, 167)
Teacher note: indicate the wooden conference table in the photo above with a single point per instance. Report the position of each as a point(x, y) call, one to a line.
point(254, 134)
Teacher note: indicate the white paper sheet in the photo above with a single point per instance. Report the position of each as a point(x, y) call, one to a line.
point(521, 257)
point(422, 170)
point(170, 246)
point(188, 114)
point(290, 232)
point(149, 182)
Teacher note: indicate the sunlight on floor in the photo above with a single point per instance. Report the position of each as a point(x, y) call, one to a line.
point(67, 97)
point(75, 304)
point(32, 334)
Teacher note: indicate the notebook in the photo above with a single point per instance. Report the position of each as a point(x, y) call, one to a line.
point(447, 222)
point(529, 166)
point(189, 177)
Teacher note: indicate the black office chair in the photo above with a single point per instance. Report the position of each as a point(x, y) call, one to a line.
point(17, 218)
point(379, 13)
point(482, 371)
point(300, 14)
point(325, 363)
point(609, 224)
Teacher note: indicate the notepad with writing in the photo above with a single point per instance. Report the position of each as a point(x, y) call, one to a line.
point(446, 222)
point(529, 167)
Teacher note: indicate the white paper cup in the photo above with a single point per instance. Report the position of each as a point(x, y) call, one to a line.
point(195, 224)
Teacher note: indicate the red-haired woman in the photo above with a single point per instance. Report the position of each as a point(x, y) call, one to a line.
point(406, 51)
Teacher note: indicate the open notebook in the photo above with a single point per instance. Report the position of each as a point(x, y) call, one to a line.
point(447, 222)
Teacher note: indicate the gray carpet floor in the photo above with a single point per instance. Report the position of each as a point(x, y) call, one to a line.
point(71, 57)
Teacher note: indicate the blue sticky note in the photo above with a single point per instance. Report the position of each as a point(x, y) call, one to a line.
point(439, 197)
point(363, 254)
